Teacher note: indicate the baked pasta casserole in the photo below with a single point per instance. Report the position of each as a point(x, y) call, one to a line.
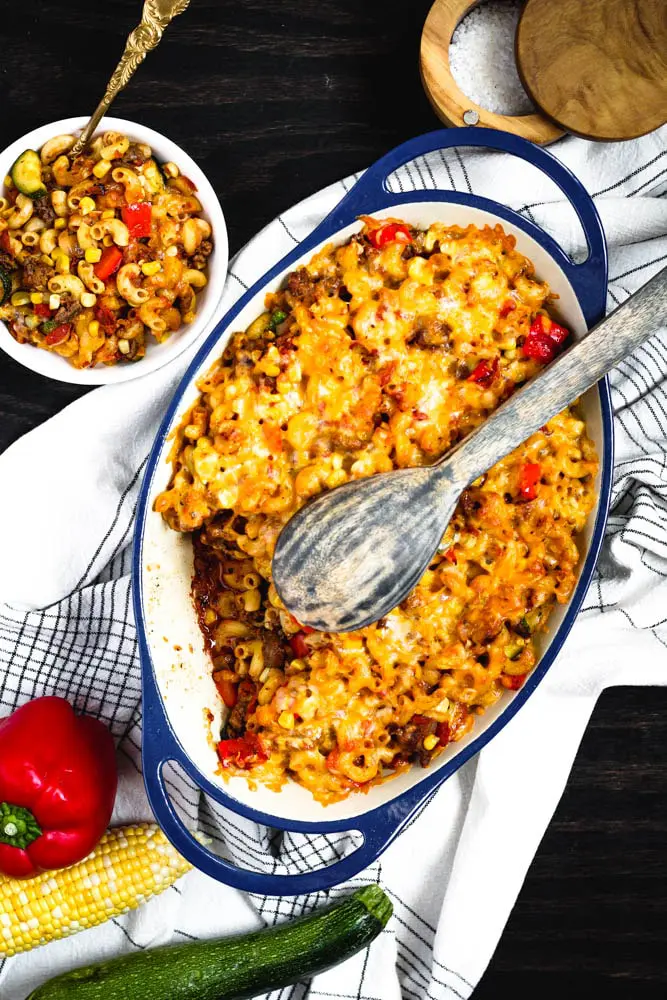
point(378, 354)
point(101, 251)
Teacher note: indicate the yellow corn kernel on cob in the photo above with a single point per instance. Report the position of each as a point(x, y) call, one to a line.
point(129, 865)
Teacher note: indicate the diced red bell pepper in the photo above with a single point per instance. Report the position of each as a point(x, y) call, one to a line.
point(274, 437)
point(42, 310)
point(228, 691)
point(544, 339)
point(108, 263)
point(244, 752)
point(391, 232)
point(59, 334)
point(506, 308)
point(484, 373)
point(420, 720)
point(5, 242)
point(450, 555)
point(558, 333)
point(386, 373)
point(443, 733)
point(106, 317)
point(306, 629)
point(137, 218)
point(529, 478)
point(513, 681)
point(299, 645)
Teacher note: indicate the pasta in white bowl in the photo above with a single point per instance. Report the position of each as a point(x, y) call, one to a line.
point(132, 314)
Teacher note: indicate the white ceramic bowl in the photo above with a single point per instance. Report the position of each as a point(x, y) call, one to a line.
point(157, 355)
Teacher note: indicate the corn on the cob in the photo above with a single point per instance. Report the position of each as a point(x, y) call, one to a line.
point(129, 865)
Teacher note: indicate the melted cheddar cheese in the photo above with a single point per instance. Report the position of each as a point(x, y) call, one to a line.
point(378, 354)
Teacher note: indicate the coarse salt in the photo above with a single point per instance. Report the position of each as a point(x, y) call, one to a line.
point(481, 58)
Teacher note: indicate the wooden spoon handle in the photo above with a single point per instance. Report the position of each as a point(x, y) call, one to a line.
point(557, 386)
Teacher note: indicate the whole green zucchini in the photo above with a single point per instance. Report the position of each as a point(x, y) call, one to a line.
point(235, 968)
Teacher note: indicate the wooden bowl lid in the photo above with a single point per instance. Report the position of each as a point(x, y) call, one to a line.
point(449, 102)
point(598, 69)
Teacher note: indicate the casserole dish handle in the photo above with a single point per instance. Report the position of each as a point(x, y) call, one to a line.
point(378, 828)
point(371, 192)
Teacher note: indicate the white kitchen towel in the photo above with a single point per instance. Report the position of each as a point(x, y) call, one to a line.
point(67, 501)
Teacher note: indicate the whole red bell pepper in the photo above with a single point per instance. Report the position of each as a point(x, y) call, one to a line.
point(57, 786)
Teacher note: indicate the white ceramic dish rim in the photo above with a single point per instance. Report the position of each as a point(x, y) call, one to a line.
point(184, 681)
point(157, 355)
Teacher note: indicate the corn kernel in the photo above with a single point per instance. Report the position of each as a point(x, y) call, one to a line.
point(171, 251)
point(430, 742)
point(272, 371)
point(286, 720)
point(108, 213)
point(107, 240)
point(88, 300)
point(209, 616)
point(60, 223)
point(20, 299)
point(102, 167)
point(54, 301)
point(93, 328)
point(124, 346)
point(170, 169)
point(86, 206)
point(45, 259)
point(93, 255)
point(9, 183)
point(189, 317)
point(151, 267)
point(36, 298)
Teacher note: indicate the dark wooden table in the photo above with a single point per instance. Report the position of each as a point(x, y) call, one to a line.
point(276, 98)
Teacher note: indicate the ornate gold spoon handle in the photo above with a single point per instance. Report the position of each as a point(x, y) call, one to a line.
point(157, 14)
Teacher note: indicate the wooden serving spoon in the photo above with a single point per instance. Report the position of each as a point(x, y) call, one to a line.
point(354, 553)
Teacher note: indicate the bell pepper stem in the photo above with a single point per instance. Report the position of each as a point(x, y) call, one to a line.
point(18, 826)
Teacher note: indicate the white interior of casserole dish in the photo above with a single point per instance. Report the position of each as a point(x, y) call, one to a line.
point(53, 365)
point(182, 667)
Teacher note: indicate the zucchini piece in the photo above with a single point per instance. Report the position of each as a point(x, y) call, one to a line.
point(259, 326)
point(235, 968)
point(514, 648)
point(26, 173)
point(154, 176)
point(5, 286)
point(277, 317)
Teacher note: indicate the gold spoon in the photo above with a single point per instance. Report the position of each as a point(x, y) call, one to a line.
point(157, 14)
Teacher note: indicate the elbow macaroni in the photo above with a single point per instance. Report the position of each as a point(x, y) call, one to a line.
point(363, 364)
point(57, 244)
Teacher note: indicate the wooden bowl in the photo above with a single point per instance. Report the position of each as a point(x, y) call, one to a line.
point(449, 102)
